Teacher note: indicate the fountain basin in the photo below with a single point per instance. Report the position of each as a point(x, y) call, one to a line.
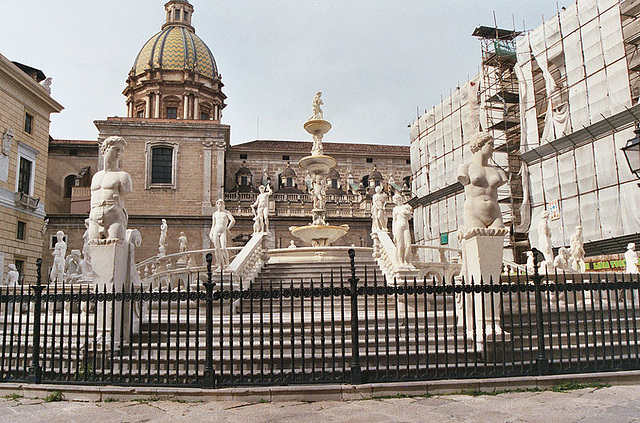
point(318, 164)
point(319, 235)
point(317, 126)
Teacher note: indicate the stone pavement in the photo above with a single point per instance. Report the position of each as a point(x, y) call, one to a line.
point(605, 405)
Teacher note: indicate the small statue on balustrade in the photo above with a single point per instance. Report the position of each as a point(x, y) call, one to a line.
point(162, 248)
point(631, 259)
point(223, 221)
point(182, 241)
point(402, 214)
point(378, 211)
point(261, 209)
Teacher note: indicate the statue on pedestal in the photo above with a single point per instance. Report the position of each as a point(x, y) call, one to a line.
point(631, 259)
point(11, 280)
point(402, 213)
point(223, 221)
point(481, 182)
point(73, 267)
point(577, 251)
point(162, 242)
point(261, 209)
point(531, 263)
point(182, 241)
point(59, 254)
point(108, 217)
point(544, 241)
point(378, 212)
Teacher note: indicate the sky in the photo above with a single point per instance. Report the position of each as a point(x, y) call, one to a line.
point(377, 62)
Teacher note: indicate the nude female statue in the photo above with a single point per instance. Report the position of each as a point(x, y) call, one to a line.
point(481, 182)
point(544, 240)
point(402, 213)
point(223, 221)
point(108, 217)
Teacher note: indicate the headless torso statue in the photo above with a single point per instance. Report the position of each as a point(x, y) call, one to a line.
point(108, 217)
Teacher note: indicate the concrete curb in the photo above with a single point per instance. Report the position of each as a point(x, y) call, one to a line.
point(330, 392)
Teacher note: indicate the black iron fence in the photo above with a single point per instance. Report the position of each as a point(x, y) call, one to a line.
point(339, 328)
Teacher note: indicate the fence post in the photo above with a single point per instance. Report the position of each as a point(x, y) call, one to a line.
point(209, 374)
point(36, 369)
point(541, 361)
point(356, 371)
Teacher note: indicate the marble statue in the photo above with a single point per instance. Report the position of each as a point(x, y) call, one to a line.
point(319, 192)
point(402, 213)
point(531, 262)
point(87, 270)
point(59, 254)
point(7, 141)
point(577, 251)
point(261, 208)
point(292, 245)
point(317, 110)
point(481, 182)
point(108, 217)
point(544, 241)
point(563, 260)
point(378, 211)
point(73, 267)
point(162, 242)
point(46, 84)
point(631, 259)
point(182, 241)
point(43, 230)
point(12, 277)
point(317, 149)
point(223, 221)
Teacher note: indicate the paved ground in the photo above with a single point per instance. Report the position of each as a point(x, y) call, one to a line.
point(605, 405)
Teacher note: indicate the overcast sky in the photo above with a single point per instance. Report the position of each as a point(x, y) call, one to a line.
point(377, 61)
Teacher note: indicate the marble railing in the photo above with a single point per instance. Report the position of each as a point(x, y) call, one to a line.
point(345, 199)
point(249, 261)
point(177, 269)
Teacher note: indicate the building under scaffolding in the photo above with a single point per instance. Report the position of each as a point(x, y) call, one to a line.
point(560, 101)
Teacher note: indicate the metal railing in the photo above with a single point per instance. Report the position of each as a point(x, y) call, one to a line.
point(338, 328)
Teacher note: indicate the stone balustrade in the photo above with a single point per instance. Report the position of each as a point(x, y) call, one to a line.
point(249, 261)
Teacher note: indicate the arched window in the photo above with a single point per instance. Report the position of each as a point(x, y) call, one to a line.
point(69, 183)
point(161, 165)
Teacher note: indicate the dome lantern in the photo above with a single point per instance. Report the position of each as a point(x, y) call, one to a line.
point(178, 13)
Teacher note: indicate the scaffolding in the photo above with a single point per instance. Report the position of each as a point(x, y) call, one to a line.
point(499, 94)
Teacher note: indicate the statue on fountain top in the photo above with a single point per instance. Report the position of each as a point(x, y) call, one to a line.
point(481, 182)
point(317, 111)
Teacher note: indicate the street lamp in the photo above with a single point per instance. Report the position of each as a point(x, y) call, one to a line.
point(632, 152)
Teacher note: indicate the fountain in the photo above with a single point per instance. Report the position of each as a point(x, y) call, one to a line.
point(319, 233)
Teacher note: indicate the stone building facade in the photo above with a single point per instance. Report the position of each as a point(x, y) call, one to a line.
point(181, 161)
point(25, 109)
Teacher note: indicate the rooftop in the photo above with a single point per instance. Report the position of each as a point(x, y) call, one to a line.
point(329, 147)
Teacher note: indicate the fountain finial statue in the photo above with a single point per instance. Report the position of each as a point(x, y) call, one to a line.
point(317, 111)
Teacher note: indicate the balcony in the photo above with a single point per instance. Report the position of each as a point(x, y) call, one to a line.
point(27, 201)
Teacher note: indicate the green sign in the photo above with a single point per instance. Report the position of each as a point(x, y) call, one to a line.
point(444, 238)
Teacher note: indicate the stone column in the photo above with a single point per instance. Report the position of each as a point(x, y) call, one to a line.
point(222, 147)
point(148, 107)
point(111, 273)
point(482, 261)
point(206, 177)
point(157, 114)
point(185, 106)
point(196, 108)
point(216, 112)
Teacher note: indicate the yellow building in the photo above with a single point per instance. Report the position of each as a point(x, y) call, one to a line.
point(25, 108)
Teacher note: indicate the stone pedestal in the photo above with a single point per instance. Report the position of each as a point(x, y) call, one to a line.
point(482, 261)
point(111, 272)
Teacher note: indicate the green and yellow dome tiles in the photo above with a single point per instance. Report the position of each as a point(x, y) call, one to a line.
point(176, 48)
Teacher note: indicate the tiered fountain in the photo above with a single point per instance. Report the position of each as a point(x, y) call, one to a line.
point(319, 233)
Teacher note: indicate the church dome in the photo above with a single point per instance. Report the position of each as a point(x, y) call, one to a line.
point(176, 48)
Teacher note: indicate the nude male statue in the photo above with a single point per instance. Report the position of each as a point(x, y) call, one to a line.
point(261, 208)
point(59, 254)
point(108, 217)
point(223, 221)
